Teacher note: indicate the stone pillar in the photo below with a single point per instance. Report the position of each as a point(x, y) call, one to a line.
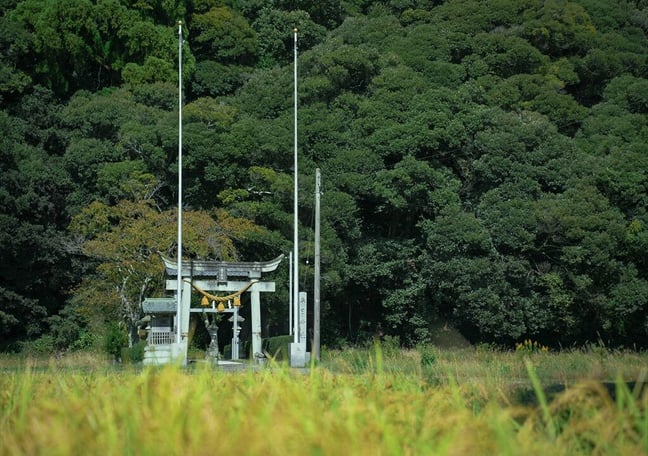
point(256, 321)
point(181, 351)
point(299, 357)
point(186, 310)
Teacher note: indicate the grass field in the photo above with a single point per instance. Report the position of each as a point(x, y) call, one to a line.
point(382, 401)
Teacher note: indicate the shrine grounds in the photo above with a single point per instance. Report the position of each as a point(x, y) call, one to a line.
point(380, 400)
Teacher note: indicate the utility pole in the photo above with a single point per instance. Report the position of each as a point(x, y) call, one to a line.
point(316, 285)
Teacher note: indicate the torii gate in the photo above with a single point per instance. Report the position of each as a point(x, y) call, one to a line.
point(219, 276)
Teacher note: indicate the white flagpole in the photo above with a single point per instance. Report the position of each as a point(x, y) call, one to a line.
point(290, 288)
point(315, 348)
point(179, 287)
point(295, 233)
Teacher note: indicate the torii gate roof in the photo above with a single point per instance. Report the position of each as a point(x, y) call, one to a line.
point(221, 270)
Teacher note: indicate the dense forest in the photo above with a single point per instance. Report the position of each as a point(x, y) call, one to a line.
point(484, 163)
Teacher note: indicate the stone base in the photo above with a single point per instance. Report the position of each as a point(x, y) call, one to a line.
point(158, 355)
point(299, 357)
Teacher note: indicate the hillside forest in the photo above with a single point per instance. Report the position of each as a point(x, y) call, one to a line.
point(484, 163)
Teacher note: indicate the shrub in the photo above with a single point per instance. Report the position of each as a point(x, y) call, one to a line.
point(429, 355)
point(134, 354)
point(44, 345)
point(277, 347)
point(390, 345)
point(114, 339)
point(86, 341)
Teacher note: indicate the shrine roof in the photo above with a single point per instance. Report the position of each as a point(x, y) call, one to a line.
point(221, 270)
point(159, 305)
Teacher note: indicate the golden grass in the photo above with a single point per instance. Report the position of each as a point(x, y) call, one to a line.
point(278, 411)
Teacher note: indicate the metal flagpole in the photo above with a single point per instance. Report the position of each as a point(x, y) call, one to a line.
point(295, 233)
point(316, 284)
point(179, 287)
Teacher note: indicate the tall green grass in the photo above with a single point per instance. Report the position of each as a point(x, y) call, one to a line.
point(491, 367)
point(278, 411)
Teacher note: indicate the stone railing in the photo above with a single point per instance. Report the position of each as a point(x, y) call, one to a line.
point(161, 337)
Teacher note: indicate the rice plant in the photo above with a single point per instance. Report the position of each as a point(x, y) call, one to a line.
point(278, 411)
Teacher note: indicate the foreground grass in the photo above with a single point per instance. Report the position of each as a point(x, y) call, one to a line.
point(277, 411)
